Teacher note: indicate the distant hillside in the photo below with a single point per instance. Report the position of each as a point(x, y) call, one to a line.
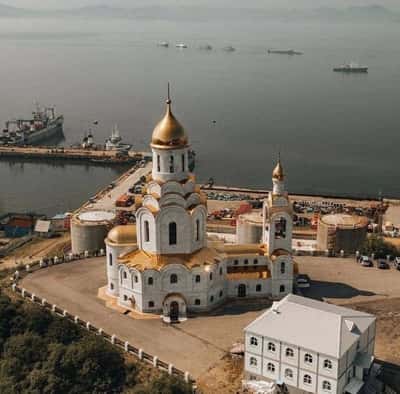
point(373, 12)
point(360, 13)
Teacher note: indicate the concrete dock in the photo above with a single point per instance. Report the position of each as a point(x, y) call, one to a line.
point(70, 154)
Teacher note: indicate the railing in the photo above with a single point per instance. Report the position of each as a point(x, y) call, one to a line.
point(112, 338)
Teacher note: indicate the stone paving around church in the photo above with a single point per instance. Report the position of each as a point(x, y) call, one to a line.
point(199, 343)
point(195, 345)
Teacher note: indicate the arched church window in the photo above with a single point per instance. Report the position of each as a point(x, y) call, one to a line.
point(146, 231)
point(198, 278)
point(110, 259)
point(282, 289)
point(171, 164)
point(158, 163)
point(172, 233)
point(197, 229)
point(150, 281)
point(283, 268)
point(173, 278)
point(183, 162)
point(280, 228)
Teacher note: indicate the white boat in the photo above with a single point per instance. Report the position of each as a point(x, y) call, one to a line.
point(164, 44)
point(114, 141)
point(181, 45)
point(229, 49)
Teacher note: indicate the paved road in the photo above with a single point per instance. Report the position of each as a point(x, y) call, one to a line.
point(107, 201)
point(195, 345)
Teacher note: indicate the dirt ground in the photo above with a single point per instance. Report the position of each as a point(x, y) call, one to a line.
point(225, 377)
point(387, 345)
point(36, 249)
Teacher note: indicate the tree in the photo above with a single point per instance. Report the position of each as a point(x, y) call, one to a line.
point(377, 245)
point(169, 385)
point(92, 366)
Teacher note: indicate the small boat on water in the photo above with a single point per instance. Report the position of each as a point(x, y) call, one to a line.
point(229, 49)
point(351, 68)
point(181, 46)
point(285, 51)
point(164, 44)
point(206, 47)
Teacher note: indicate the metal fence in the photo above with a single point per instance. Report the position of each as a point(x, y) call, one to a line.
point(112, 338)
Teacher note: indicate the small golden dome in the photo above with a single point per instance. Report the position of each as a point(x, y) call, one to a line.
point(169, 133)
point(123, 235)
point(278, 172)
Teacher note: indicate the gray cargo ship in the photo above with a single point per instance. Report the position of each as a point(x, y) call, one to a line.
point(351, 68)
point(43, 125)
point(285, 51)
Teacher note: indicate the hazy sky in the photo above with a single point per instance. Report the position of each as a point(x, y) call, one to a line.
point(394, 4)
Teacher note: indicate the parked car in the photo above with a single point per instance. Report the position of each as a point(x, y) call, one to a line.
point(383, 265)
point(367, 263)
point(303, 281)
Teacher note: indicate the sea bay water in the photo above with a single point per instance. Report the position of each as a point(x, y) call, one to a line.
point(338, 134)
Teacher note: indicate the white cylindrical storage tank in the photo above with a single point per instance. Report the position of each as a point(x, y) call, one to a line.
point(249, 228)
point(89, 229)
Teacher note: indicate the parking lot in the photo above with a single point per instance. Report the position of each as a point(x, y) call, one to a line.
point(343, 280)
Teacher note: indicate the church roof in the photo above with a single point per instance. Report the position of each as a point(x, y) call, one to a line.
point(123, 235)
point(169, 133)
point(242, 249)
point(142, 260)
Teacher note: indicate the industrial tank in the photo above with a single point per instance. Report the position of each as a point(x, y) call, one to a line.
point(89, 229)
point(249, 228)
point(341, 232)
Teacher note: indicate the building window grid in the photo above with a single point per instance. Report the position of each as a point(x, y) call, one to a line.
point(270, 367)
point(327, 364)
point(253, 361)
point(288, 373)
point(289, 352)
point(308, 358)
point(271, 347)
point(307, 379)
point(253, 341)
point(326, 386)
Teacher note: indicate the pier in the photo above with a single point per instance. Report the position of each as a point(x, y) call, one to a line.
point(45, 153)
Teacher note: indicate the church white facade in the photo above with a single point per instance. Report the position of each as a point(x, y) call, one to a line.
point(166, 265)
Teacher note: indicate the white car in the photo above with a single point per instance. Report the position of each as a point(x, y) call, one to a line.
point(303, 282)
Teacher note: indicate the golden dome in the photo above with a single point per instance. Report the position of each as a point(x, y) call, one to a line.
point(169, 133)
point(278, 172)
point(123, 235)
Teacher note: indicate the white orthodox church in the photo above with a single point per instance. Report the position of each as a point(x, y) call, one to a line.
point(165, 265)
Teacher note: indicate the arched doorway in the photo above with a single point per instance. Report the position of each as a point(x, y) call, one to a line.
point(242, 290)
point(174, 308)
point(174, 311)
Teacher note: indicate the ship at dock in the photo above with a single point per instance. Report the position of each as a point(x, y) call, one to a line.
point(44, 124)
